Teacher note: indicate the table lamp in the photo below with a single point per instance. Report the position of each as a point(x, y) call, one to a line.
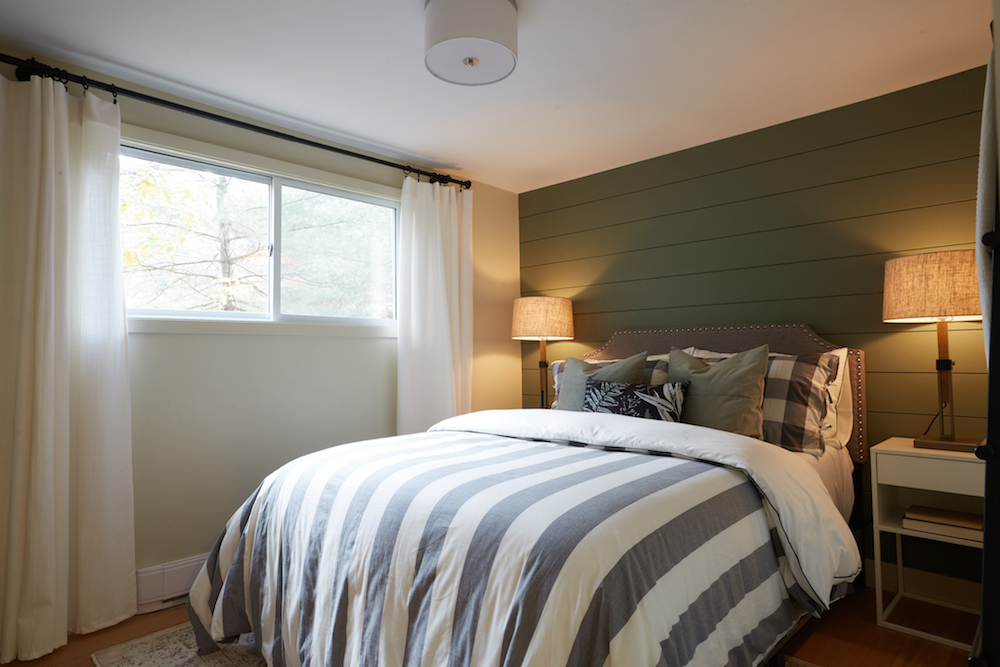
point(542, 318)
point(938, 287)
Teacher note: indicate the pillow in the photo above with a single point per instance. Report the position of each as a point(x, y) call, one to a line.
point(801, 394)
point(710, 356)
point(655, 372)
point(839, 422)
point(557, 370)
point(656, 369)
point(576, 371)
point(727, 395)
point(661, 402)
point(796, 399)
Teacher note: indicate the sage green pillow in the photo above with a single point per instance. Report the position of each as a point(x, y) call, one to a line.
point(726, 395)
point(574, 378)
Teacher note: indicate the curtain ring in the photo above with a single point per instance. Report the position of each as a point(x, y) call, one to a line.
point(62, 76)
point(114, 94)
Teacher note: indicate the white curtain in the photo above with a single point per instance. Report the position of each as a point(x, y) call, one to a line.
point(986, 208)
point(67, 548)
point(435, 305)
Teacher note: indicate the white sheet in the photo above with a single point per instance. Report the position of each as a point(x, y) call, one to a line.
point(835, 468)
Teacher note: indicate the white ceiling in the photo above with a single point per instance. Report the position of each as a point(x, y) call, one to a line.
point(599, 83)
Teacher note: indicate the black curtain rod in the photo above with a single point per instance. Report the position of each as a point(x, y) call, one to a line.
point(27, 68)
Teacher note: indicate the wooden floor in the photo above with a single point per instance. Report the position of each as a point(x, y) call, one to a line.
point(76, 653)
point(847, 636)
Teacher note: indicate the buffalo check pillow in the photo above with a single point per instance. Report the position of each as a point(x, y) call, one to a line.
point(796, 396)
point(795, 399)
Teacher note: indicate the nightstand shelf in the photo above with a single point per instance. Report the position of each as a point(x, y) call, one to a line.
point(903, 476)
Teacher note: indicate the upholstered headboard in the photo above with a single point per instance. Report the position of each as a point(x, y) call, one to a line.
point(785, 338)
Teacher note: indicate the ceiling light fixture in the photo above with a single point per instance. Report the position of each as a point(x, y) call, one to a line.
point(470, 42)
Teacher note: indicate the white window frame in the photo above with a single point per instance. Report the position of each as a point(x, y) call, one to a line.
point(180, 151)
point(275, 292)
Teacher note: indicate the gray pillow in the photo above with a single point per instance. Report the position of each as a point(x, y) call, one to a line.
point(574, 380)
point(728, 395)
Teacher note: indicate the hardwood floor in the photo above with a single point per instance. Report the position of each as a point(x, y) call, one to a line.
point(76, 652)
point(847, 636)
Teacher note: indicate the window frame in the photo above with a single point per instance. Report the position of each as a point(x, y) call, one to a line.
point(275, 178)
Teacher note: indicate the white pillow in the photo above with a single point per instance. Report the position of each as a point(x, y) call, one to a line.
point(839, 422)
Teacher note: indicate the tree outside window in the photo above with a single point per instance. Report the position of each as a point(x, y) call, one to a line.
point(196, 238)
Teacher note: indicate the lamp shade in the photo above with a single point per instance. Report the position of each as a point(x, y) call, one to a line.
point(542, 318)
point(933, 287)
point(470, 42)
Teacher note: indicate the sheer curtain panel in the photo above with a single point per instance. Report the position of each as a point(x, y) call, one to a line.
point(435, 305)
point(67, 547)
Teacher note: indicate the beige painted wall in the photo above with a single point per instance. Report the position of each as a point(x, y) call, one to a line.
point(216, 407)
point(496, 364)
point(215, 411)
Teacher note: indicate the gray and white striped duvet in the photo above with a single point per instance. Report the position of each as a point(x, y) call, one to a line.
point(460, 547)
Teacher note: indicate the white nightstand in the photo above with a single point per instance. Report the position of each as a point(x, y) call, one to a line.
point(903, 476)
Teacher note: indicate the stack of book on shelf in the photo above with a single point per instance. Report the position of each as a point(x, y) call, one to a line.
point(944, 522)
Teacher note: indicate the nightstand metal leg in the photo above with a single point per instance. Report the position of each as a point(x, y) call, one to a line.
point(899, 579)
point(899, 564)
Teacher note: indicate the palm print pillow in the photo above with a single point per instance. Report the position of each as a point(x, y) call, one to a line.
point(648, 401)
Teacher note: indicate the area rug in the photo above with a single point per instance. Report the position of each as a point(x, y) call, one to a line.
point(176, 647)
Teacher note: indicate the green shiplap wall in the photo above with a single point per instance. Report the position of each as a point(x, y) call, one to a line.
point(792, 223)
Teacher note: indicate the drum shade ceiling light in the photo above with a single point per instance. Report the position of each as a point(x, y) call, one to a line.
point(470, 42)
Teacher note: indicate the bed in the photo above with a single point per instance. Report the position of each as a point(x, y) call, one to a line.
point(545, 537)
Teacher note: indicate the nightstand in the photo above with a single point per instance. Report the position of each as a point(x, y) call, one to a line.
point(903, 476)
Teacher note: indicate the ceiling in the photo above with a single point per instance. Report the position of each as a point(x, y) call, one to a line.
point(598, 84)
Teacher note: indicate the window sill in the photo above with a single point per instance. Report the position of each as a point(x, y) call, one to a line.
point(335, 329)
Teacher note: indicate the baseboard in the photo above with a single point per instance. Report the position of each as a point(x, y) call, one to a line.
point(166, 585)
point(952, 590)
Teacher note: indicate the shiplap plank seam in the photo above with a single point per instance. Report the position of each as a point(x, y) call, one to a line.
point(745, 268)
point(708, 239)
point(781, 193)
point(721, 172)
point(752, 267)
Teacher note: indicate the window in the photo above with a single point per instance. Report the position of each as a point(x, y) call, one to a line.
point(204, 240)
point(337, 256)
